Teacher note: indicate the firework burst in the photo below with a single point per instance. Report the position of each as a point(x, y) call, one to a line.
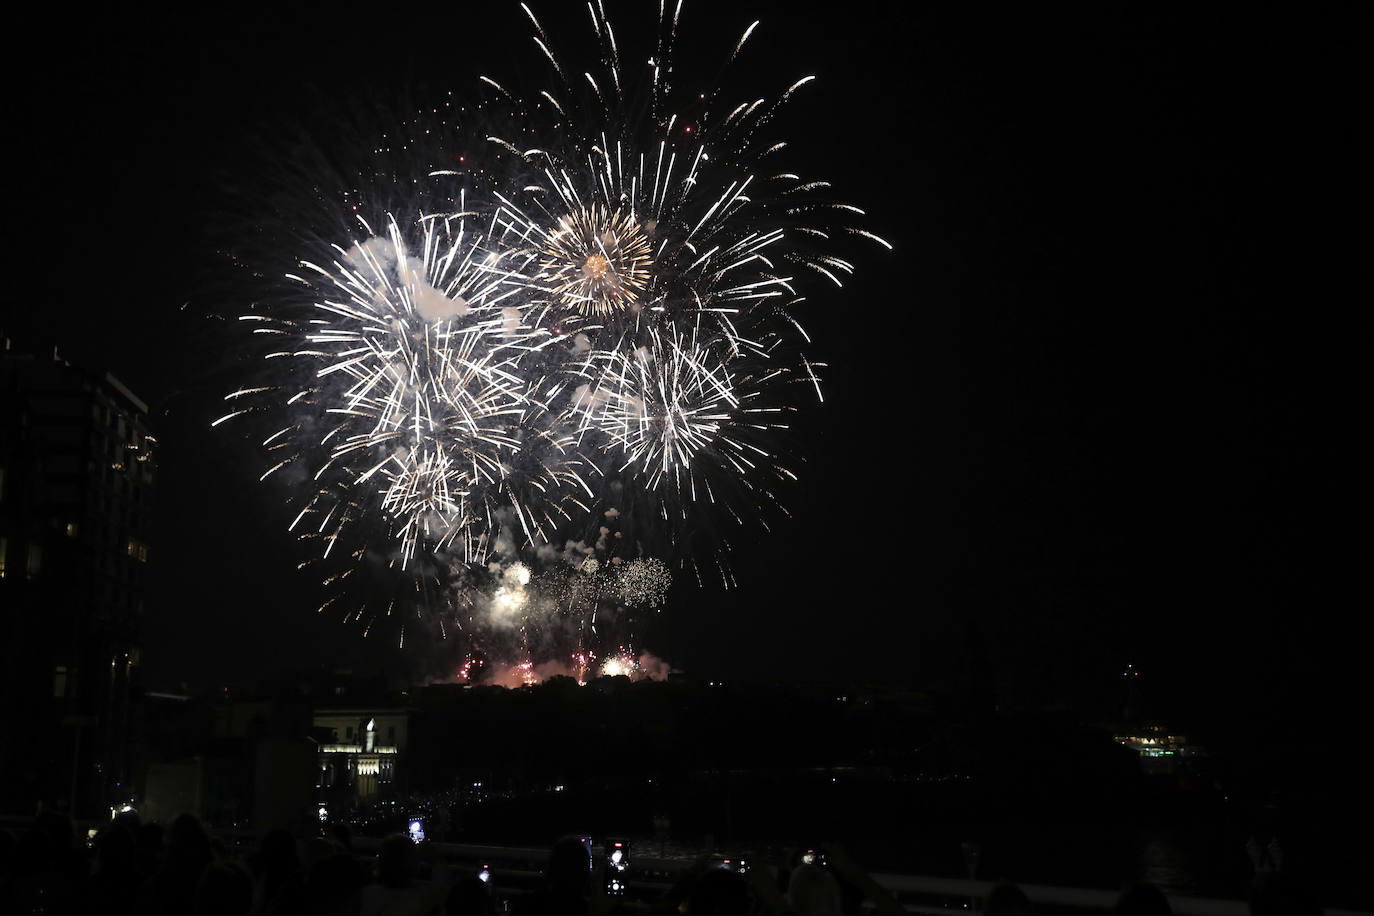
point(594, 262)
point(598, 341)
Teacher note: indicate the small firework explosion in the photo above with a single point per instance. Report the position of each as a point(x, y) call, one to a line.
point(622, 664)
point(510, 597)
point(471, 669)
point(644, 582)
point(524, 672)
point(581, 664)
point(595, 262)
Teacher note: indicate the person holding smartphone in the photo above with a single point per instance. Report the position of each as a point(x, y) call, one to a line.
point(849, 874)
point(470, 897)
point(567, 888)
point(399, 888)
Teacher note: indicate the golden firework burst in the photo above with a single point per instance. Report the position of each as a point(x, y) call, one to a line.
point(597, 261)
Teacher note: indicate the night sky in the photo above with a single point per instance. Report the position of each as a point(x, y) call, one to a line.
point(1075, 417)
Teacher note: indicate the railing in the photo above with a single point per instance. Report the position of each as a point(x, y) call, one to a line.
point(516, 870)
point(1046, 895)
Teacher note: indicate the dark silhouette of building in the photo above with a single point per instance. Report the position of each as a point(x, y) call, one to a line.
point(76, 479)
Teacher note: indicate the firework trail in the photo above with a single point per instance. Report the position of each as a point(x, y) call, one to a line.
point(594, 342)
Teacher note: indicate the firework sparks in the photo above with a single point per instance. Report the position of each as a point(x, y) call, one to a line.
point(658, 405)
point(600, 339)
point(622, 664)
point(595, 262)
point(644, 582)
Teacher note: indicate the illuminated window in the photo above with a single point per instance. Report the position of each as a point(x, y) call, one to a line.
point(71, 529)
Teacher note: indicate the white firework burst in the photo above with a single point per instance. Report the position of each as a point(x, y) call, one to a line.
point(603, 333)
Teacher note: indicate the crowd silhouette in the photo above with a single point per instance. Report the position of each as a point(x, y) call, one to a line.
point(131, 867)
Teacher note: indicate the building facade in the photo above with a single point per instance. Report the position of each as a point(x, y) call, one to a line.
point(77, 471)
point(360, 753)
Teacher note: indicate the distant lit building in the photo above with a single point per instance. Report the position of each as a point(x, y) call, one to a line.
point(360, 752)
point(77, 471)
point(1160, 749)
